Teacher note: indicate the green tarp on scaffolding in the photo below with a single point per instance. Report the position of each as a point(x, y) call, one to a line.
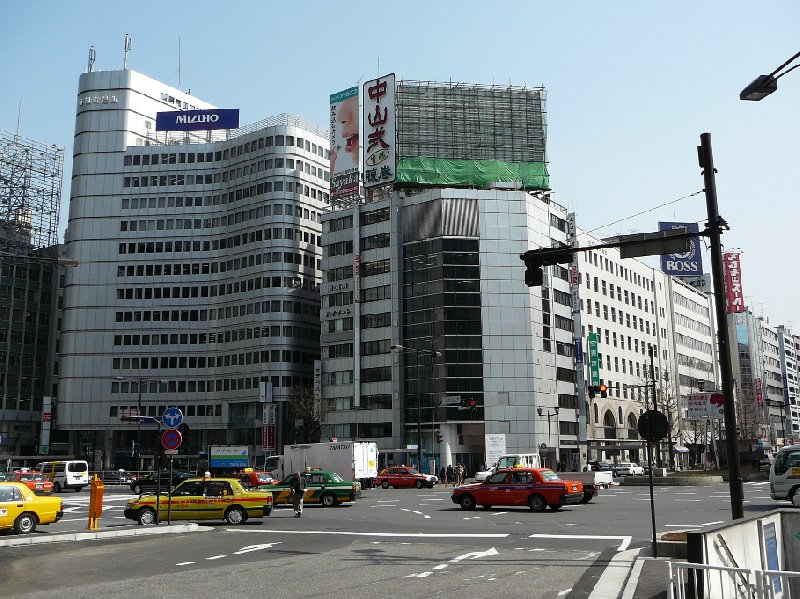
point(473, 173)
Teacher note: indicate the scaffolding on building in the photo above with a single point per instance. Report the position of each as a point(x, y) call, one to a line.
point(31, 176)
point(464, 121)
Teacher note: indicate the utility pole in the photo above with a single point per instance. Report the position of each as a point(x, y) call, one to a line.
point(713, 229)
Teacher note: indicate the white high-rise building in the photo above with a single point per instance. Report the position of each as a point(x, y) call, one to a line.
point(198, 271)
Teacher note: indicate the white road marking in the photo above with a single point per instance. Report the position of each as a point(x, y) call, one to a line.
point(498, 513)
point(626, 540)
point(440, 567)
point(474, 555)
point(562, 593)
point(414, 535)
point(383, 506)
point(418, 512)
point(692, 493)
point(185, 563)
point(763, 498)
point(387, 500)
point(213, 557)
point(434, 499)
point(250, 548)
point(711, 523)
point(404, 509)
point(420, 575)
point(683, 525)
point(688, 500)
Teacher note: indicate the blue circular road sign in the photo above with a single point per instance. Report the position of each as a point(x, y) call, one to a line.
point(172, 417)
point(171, 439)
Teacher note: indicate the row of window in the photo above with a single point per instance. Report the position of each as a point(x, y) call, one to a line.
point(692, 305)
point(618, 270)
point(630, 299)
point(213, 290)
point(230, 336)
point(639, 323)
point(178, 180)
point(186, 315)
point(221, 266)
point(222, 221)
point(379, 401)
point(218, 385)
point(285, 356)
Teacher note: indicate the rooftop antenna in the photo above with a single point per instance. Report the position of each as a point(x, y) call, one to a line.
point(128, 40)
point(92, 57)
point(179, 62)
point(19, 112)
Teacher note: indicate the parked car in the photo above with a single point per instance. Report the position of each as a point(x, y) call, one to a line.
point(324, 487)
point(117, 477)
point(150, 483)
point(628, 469)
point(599, 466)
point(536, 488)
point(482, 475)
point(203, 499)
point(22, 510)
point(404, 476)
point(37, 482)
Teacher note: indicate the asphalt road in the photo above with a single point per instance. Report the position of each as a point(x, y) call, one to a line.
point(403, 543)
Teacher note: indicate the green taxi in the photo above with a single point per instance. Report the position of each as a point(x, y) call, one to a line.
point(203, 499)
point(324, 487)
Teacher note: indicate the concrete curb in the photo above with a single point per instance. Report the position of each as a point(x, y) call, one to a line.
point(679, 481)
point(101, 534)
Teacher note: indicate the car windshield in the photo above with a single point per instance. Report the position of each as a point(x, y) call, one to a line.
point(264, 478)
point(336, 478)
point(507, 462)
point(549, 475)
point(413, 471)
point(31, 476)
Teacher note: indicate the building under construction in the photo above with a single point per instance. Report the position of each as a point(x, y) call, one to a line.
point(31, 176)
point(467, 135)
point(30, 200)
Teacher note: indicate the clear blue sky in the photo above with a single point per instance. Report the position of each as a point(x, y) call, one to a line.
point(631, 86)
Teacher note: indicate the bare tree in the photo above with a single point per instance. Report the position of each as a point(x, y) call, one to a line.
point(304, 407)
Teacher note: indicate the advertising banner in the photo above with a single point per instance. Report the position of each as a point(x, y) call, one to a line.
point(734, 296)
point(495, 447)
point(380, 148)
point(594, 361)
point(344, 143)
point(705, 405)
point(229, 456)
point(268, 437)
point(686, 263)
point(196, 120)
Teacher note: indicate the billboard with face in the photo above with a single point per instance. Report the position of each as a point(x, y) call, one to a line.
point(345, 158)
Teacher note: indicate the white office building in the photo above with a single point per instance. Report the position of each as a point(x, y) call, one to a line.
point(198, 271)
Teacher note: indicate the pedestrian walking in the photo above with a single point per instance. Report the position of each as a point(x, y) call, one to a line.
point(443, 475)
point(450, 478)
point(459, 474)
point(299, 487)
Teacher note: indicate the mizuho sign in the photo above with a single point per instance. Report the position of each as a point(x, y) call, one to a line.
point(194, 120)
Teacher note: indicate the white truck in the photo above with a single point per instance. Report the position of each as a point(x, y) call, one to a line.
point(592, 481)
point(352, 460)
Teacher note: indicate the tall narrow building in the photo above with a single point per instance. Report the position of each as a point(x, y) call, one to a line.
point(198, 271)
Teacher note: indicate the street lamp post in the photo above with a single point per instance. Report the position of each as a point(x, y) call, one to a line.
point(540, 411)
point(417, 353)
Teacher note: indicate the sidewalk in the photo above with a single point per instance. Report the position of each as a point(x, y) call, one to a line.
point(632, 574)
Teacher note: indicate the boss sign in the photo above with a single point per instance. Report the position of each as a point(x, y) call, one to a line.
point(196, 120)
point(686, 264)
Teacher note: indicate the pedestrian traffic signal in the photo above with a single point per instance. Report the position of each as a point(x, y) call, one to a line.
point(603, 391)
point(439, 437)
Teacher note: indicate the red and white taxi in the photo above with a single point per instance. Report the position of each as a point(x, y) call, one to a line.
point(404, 476)
point(37, 482)
point(536, 488)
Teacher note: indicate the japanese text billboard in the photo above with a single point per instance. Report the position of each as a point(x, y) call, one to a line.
point(380, 148)
point(734, 295)
point(705, 405)
point(344, 143)
point(594, 360)
point(685, 263)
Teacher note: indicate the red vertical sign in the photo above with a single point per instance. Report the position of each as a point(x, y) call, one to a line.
point(268, 436)
point(733, 283)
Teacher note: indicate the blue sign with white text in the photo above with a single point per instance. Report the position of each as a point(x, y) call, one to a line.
point(685, 264)
point(196, 120)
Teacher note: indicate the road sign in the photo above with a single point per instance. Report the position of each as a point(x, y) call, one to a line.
point(172, 417)
point(653, 425)
point(170, 452)
point(452, 400)
point(171, 439)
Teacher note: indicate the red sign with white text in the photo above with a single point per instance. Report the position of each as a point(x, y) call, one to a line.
point(268, 436)
point(733, 283)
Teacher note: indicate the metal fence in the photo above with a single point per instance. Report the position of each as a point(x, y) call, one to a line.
point(701, 581)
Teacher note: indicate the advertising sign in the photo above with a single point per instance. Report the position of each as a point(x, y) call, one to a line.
point(380, 147)
point(685, 263)
point(229, 456)
point(268, 436)
point(705, 405)
point(594, 361)
point(734, 295)
point(197, 120)
point(495, 447)
point(344, 143)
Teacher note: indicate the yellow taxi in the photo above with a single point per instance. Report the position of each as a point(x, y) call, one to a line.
point(22, 510)
point(203, 499)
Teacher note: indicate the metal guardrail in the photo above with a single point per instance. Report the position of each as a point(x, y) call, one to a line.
point(701, 581)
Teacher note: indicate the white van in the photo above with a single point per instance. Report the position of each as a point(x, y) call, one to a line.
point(784, 473)
point(66, 474)
point(520, 460)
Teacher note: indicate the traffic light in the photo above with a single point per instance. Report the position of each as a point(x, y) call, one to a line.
point(535, 259)
point(603, 391)
point(439, 437)
point(463, 404)
point(472, 405)
point(592, 390)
